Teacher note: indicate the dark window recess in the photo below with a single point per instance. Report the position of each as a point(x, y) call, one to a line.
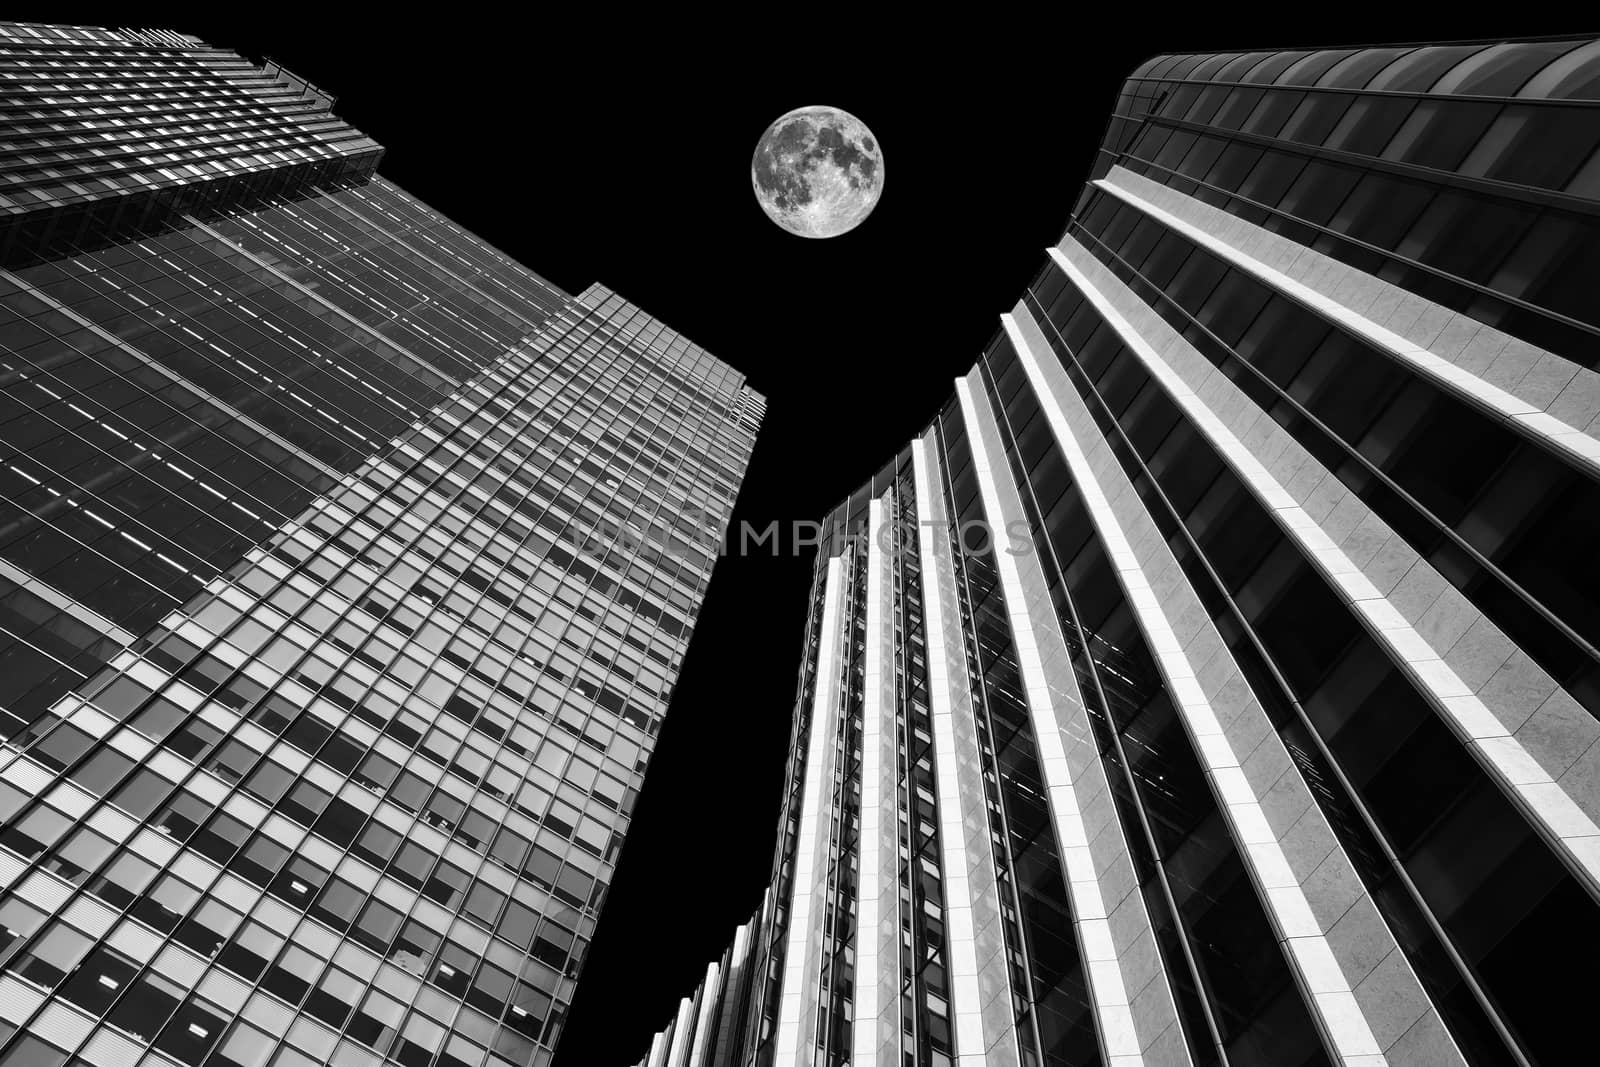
point(206, 673)
point(462, 708)
point(239, 693)
point(275, 713)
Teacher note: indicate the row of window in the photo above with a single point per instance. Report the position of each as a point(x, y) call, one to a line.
point(116, 586)
point(1506, 262)
point(293, 807)
point(771, 935)
point(1508, 522)
point(842, 825)
point(1555, 69)
point(925, 993)
point(1490, 880)
point(1054, 1018)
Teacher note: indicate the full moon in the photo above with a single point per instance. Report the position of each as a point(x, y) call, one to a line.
point(818, 172)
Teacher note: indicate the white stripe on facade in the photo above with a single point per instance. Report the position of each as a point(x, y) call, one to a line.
point(738, 963)
point(1407, 1024)
point(876, 1029)
point(1522, 416)
point(1552, 383)
point(1119, 1036)
point(1332, 1000)
point(706, 1017)
point(682, 1031)
point(1525, 698)
point(1573, 835)
point(797, 1016)
point(946, 659)
point(658, 1049)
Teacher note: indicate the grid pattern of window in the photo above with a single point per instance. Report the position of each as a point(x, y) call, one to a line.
point(112, 125)
point(170, 400)
point(346, 568)
point(365, 793)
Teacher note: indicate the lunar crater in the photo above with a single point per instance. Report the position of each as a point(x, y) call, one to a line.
point(817, 172)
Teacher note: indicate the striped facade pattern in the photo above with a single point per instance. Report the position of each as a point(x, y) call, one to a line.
point(1250, 713)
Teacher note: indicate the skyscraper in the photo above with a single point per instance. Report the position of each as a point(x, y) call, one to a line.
point(1213, 681)
point(346, 567)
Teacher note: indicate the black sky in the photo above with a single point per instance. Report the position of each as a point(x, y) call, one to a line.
point(605, 149)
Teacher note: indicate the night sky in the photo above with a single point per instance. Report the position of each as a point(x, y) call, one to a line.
point(616, 151)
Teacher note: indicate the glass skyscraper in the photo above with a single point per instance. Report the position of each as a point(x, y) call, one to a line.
point(346, 568)
point(1215, 679)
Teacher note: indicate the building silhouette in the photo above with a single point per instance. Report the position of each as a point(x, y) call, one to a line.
point(1214, 679)
point(346, 568)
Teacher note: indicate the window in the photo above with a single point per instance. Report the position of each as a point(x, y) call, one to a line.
point(377, 926)
point(412, 865)
point(260, 860)
point(340, 822)
point(80, 854)
point(415, 948)
point(338, 904)
point(376, 844)
point(484, 903)
point(491, 991)
point(209, 928)
point(518, 924)
point(376, 772)
point(378, 1021)
point(453, 972)
point(251, 951)
point(29, 1051)
point(101, 771)
point(35, 831)
point(410, 792)
point(298, 882)
point(447, 884)
point(194, 740)
point(122, 696)
point(304, 802)
point(182, 816)
point(141, 793)
point(293, 974)
point(17, 921)
point(158, 718)
point(194, 1028)
point(528, 1010)
point(421, 1039)
point(99, 980)
point(510, 848)
point(52, 956)
point(168, 900)
point(221, 838)
point(334, 998)
point(233, 760)
point(245, 1046)
point(269, 782)
point(123, 880)
point(61, 747)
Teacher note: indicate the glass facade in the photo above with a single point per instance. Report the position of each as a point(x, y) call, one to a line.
point(106, 128)
point(1243, 606)
point(347, 568)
